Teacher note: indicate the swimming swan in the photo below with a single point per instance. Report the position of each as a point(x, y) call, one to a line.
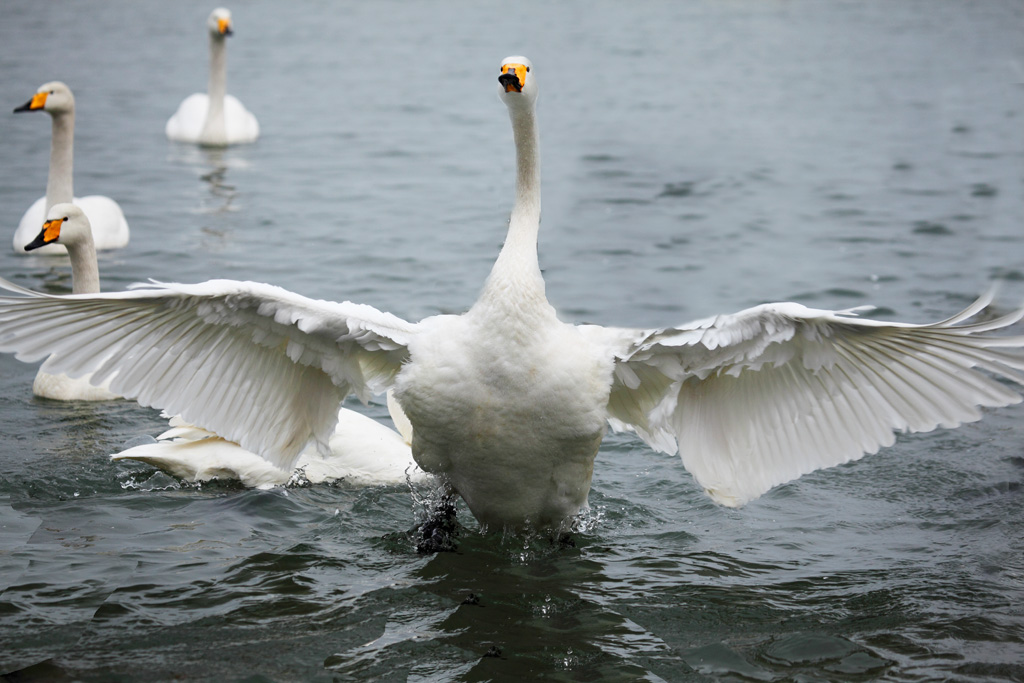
point(362, 451)
point(214, 118)
point(109, 228)
point(68, 225)
point(508, 404)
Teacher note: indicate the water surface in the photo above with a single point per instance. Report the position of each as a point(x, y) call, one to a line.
point(699, 158)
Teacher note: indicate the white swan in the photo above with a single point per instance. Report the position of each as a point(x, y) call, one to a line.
point(109, 227)
point(214, 118)
point(68, 225)
point(362, 450)
point(507, 403)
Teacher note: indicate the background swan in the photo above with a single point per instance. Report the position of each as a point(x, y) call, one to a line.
point(109, 227)
point(361, 450)
point(214, 118)
point(508, 404)
point(67, 225)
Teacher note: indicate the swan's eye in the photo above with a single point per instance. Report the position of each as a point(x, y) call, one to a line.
point(527, 69)
point(65, 217)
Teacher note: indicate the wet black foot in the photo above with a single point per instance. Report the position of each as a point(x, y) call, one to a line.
point(438, 534)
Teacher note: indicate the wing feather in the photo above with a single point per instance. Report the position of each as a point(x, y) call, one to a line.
point(766, 395)
point(253, 363)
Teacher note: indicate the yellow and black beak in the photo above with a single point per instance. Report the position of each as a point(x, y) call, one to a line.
point(38, 101)
point(224, 26)
point(513, 77)
point(48, 235)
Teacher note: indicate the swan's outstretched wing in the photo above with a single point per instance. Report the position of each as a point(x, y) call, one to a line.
point(254, 363)
point(768, 394)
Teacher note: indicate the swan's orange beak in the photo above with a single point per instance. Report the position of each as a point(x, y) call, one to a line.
point(38, 101)
point(224, 26)
point(513, 77)
point(49, 234)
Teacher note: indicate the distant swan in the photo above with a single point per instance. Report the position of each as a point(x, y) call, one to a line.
point(110, 229)
point(214, 118)
point(508, 404)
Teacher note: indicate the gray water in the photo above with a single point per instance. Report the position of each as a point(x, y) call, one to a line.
point(699, 157)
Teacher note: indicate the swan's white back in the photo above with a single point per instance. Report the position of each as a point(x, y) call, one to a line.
point(61, 387)
point(362, 452)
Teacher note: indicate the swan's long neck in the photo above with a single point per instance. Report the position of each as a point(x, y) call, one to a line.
point(217, 86)
point(516, 274)
point(62, 144)
point(85, 273)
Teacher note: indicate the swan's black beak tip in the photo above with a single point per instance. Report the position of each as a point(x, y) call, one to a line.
point(510, 81)
point(25, 107)
point(39, 241)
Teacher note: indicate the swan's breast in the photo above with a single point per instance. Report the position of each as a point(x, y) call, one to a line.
point(512, 418)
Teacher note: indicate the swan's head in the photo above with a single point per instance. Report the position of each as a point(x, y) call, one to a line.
point(219, 23)
point(516, 84)
point(65, 224)
point(53, 97)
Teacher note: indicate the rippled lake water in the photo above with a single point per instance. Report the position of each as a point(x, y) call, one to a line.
point(699, 157)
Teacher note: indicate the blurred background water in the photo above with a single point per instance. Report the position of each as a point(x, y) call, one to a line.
point(699, 157)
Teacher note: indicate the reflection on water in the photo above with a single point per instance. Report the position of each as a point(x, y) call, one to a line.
point(219, 189)
point(211, 164)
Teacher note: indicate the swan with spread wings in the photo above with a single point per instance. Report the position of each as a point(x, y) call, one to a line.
point(508, 404)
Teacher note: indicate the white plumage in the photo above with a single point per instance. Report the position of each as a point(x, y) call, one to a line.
point(507, 403)
point(361, 450)
point(109, 227)
point(67, 225)
point(214, 118)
